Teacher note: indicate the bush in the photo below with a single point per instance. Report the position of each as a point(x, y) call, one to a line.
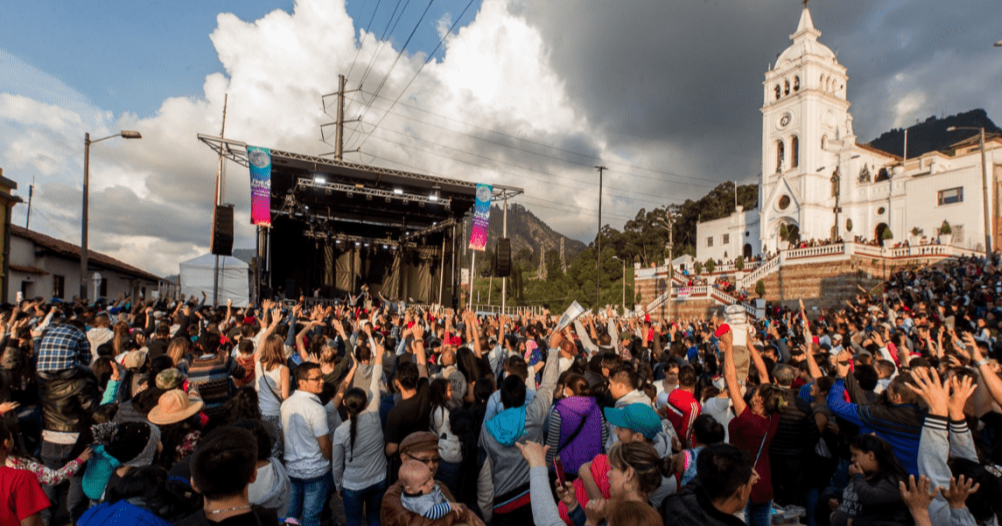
point(887, 234)
point(709, 266)
point(945, 228)
point(739, 263)
point(916, 231)
point(848, 225)
point(698, 267)
point(784, 232)
point(760, 288)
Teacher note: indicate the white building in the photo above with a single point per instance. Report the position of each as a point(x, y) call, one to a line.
point(816, 179)
point(43, 266)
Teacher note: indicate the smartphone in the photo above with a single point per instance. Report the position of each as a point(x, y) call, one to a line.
point(558, 466)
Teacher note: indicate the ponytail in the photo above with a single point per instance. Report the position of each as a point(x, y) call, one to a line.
point(355, 401)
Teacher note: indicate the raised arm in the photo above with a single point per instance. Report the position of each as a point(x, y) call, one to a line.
point(990, 379)
point(731, 373)
point(419, 355)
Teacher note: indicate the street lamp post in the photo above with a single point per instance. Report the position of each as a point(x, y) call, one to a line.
point(125, 134)
point(984, 185)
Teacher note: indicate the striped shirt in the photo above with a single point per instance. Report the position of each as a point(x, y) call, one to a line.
point(63, 347)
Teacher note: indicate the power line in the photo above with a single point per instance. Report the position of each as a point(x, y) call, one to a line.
point(399, 54)
point(530, 141)
point(369, 25)
point(418, 72)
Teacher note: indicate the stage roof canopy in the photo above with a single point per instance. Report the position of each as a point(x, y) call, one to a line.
point(341, 198)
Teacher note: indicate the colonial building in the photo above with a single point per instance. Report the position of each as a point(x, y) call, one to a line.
point(819, 183)
point(43, 266)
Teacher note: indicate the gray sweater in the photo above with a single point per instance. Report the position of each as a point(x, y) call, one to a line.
point(508, 468)
point(936, 447)
point(365, 465)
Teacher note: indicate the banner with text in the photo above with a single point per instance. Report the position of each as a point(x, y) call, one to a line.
point(481, 217)
point(260, 183)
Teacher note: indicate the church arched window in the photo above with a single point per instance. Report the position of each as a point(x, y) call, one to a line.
point(777, 92)
point(821, 82)
point(796, 83)
point(786, 87)
point(780, 152)
point(794, 152)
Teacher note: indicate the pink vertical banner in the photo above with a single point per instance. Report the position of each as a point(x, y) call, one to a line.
point(260, 183)
point(481, 217)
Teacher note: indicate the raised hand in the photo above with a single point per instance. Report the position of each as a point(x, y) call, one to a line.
point(917, 495)
point(928, 387)
point(956, 495)
point(961, 388)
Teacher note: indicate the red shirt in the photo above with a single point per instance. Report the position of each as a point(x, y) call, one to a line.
point(683, 409)
point(24, 496)
point(752, 434)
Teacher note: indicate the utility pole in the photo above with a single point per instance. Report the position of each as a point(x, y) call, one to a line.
point(220, 188)
point(598, 262)
point(984, 189)
point(504, 233)
point(31, 192)
point(339, 147)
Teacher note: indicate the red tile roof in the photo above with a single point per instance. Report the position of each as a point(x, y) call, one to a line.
point(28, 270)
point(71, 251)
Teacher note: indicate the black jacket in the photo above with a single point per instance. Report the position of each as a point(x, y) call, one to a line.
point(68, 399)
point(692, 507)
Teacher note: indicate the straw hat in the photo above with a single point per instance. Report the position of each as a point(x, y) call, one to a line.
point(174, 407)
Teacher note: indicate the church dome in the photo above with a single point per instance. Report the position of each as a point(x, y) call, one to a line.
point(805, 42)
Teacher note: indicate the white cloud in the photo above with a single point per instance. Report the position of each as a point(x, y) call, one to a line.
point(151, 199)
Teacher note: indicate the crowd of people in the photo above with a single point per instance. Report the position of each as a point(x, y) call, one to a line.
point(884, 410)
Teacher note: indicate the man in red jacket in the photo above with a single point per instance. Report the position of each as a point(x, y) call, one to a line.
point(683, 406)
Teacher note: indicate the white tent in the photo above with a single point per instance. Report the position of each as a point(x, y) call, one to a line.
point(234, 279)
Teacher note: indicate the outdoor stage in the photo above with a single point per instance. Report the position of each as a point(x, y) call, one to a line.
point(338, 225)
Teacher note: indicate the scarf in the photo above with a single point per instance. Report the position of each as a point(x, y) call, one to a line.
point(508, 426)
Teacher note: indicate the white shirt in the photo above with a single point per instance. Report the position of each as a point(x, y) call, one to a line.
point(303, 421)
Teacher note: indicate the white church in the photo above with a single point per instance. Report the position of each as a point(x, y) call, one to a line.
point(817, 180)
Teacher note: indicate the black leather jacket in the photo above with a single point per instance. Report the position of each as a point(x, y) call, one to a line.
point(68, 398)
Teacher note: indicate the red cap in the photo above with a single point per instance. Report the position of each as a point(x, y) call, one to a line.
point(722, 330)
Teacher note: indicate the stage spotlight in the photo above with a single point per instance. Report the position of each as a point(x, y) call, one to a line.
point(434, 193)
point(319, 179)
point(407, 201)
point(350, 195)
point(366, 244)
point(357, 243)
point(337, 241)
point(327, 191)
point(448, 205)
point(398, 191)
point(387, 199)
point(368, 198)
point(421, 204)
point(384, 247)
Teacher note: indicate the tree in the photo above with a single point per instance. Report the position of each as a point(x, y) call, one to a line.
point(760, 288)
point(698, 267)
point(916, 231)
point(887, 234)
point(709, 266)
point(848, 225)
point(945, 229)
point(739, 263)
point(784, 232)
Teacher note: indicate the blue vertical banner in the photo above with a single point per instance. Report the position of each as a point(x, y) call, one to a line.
point(481, 217)
point(260, 184)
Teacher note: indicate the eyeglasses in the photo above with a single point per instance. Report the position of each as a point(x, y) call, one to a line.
point(426, 460)
point(314, 379)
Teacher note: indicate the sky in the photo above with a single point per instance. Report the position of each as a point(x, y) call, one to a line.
point(666, 94)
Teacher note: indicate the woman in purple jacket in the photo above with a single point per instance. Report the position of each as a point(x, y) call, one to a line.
point(577, 427)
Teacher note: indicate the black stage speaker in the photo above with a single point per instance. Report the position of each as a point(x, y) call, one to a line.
point(290, 289)
point(222, 231)
point(503, 257)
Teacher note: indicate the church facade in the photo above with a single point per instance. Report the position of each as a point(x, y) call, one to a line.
point(819, 183)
